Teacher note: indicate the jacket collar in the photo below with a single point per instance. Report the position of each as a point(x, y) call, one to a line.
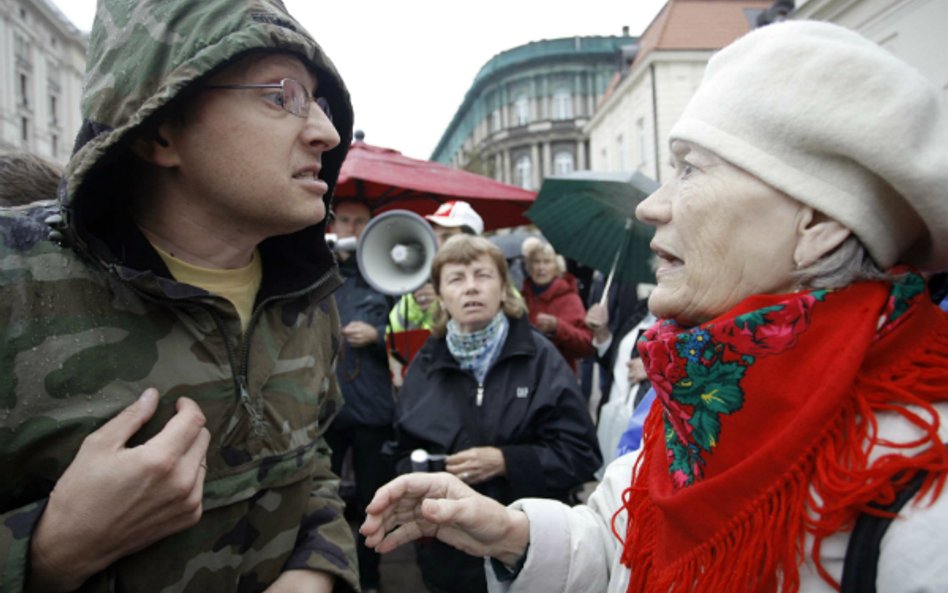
point(291, 263)
point(519, 343)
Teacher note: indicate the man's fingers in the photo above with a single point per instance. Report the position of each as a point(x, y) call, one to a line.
point(181, 433)
point(126, 423)
point(196, 456)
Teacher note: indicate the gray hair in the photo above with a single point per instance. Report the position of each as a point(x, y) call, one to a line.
point(848, 263)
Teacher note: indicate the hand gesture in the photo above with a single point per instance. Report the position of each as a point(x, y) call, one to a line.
point(546, 323)
point(425, 296)
point(114, 500)
point(439, 505)
point(359, 334)
point(477, 464)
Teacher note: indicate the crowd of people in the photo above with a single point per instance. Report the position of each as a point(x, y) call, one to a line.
point(190, 367)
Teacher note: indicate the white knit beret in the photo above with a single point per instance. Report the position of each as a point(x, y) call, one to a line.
point(838, 123)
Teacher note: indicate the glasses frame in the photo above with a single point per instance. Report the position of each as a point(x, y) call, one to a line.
point(320, 102)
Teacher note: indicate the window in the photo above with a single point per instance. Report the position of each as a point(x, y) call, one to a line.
point(563, 162)
point(621, 157)
point(54, 145)
point(522, 108)
point(495, 121)
point(562, 104)
point(22, 49)
point(524, 172)
point(53, 110)
point(24, 90)
point(25, 129)
point(643, 142)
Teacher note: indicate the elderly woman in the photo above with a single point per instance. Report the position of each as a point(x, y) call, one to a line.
point(495, 397)
point(553, 300)
point(801, 374)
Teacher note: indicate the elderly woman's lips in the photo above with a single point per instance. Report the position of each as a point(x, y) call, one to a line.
point(666, 261)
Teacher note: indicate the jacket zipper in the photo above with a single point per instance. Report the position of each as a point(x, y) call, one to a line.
point(259, 425)
point(241, 367)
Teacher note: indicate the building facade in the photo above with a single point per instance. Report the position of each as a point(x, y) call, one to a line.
point(523, 117)
point(42, 59)
point(913, 30)
point(629, 131)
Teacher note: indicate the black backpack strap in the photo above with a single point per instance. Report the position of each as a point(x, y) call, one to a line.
point(861, 564)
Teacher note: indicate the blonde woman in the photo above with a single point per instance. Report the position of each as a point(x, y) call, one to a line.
point(493, 395)
point(553, 300)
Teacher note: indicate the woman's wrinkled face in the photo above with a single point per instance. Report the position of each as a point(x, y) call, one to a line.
point(472, 293)
point(542, 268)
point(721, 235)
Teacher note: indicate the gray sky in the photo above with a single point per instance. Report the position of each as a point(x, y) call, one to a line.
point(408, 64)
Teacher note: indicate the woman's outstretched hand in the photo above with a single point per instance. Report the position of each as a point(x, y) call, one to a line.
point(440, 505)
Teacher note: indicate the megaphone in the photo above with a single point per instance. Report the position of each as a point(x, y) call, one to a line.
point(395, 252)
point(337, 243)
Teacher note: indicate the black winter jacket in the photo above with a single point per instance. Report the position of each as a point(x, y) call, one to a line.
point(363, 373)
point(531, 409)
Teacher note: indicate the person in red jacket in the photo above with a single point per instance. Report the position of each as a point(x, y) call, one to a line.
point(553, 300)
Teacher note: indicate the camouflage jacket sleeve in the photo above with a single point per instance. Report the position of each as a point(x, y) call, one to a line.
point(324, 531)
point(15, 532)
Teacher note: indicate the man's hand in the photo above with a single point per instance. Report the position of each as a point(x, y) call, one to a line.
point(425, 296)
point(301, 581)
point(114, 500)
point(546, 323)
point(359, 334)
point(439, 505)
point(597, 319)
point(477, 464)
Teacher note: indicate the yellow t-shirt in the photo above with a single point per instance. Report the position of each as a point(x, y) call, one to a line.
point(239, 286)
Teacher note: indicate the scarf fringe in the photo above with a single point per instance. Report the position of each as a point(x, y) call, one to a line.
point(823, 493)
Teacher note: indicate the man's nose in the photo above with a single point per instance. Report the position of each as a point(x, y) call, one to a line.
point(319, 129)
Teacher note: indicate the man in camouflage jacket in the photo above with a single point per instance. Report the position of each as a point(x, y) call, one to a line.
point(150, 438)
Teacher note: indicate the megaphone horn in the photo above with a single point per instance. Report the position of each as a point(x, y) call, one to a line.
point(395, 252)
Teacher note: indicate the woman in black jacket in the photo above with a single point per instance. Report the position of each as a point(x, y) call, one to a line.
point(495, 397)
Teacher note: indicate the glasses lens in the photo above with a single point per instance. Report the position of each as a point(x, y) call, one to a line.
point(323, 104)
point(295, 98)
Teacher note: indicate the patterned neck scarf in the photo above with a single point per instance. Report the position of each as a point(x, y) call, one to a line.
point(476, 351)
point(761, 408)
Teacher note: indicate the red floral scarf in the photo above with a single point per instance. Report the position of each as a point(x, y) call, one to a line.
point(763, 408)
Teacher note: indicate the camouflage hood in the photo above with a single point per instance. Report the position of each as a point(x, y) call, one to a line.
point(142, 54)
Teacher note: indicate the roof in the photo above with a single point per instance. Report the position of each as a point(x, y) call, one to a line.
point(699, 25)
point(553, 48)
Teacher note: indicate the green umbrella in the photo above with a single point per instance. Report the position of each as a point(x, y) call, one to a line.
point(589, 216)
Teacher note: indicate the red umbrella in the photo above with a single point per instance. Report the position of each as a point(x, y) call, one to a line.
point(389, 180)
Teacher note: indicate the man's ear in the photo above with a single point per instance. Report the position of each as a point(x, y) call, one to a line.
point(817, 236)
point(153, 146)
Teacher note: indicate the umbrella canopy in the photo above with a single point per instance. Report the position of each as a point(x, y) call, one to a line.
point(389, 180)
point(589, 216)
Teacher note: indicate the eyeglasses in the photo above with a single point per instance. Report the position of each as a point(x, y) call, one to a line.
point(292, 98)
